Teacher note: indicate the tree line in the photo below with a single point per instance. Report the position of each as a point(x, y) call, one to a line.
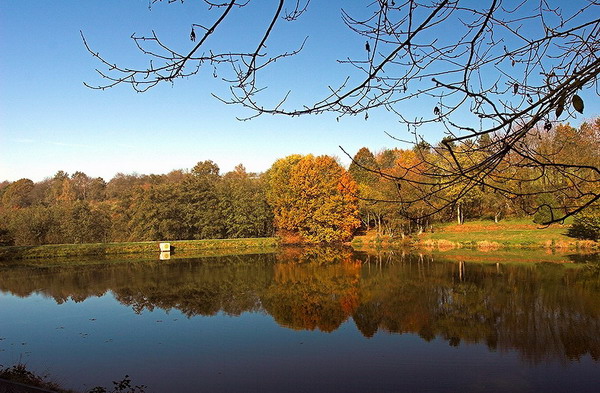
point(398, 195)
point(308, 197)
point(300, 198)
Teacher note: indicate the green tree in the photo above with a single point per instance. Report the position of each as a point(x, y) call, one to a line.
point(363, 166)
point(200, 205)
point(186, 210)
point(83, 223)
point(586, 224)
point(156, 214)
point(243, 201)
point(34, 226)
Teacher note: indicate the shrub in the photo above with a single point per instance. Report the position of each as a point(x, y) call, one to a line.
point(20, 374)
point(586, 224)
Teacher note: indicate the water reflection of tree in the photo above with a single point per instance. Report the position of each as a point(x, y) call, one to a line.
point(230, 285)
point(544, 311)
point(202, 286)
point(313, 289)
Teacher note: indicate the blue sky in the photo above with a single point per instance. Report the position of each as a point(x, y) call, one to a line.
point(50, 121)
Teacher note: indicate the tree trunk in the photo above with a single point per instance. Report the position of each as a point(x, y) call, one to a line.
point(459, 214)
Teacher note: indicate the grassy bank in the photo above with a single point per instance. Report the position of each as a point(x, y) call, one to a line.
point(487, 235)
point(103, 249)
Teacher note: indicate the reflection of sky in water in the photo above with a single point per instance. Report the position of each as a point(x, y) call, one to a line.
point(99, 340)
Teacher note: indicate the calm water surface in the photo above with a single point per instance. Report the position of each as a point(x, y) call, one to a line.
point(306, 320)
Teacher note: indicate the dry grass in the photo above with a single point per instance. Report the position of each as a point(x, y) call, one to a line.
point(447, 245)
point(488, 246)
point(587, 245)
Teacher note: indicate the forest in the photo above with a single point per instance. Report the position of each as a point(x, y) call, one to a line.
point(300, 198)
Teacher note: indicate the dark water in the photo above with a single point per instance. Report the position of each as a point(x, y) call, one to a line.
point(306, 321)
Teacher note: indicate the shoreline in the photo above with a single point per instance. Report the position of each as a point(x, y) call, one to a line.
point(105, 249)
point(482, 245)
point(236, 246)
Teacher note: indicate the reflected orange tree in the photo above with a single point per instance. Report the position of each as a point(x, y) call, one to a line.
point(313, 289)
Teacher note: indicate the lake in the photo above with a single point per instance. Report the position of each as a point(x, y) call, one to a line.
point(308, 320)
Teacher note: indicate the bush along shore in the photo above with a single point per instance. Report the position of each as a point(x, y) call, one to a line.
point(103, 249)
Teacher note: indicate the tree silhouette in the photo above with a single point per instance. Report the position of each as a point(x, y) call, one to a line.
point(497, 71)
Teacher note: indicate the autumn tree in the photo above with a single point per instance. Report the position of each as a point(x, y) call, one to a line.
point(314, 197)
point(17, 194)
point(55, 188)
point(407, 200)
point(362, 171)
point(368, 171)
point(464, 202)
point(87, 188)
point(122, 184)
point(280, 195)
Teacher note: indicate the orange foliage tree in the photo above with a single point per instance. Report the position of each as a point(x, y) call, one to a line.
point(313, 197)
